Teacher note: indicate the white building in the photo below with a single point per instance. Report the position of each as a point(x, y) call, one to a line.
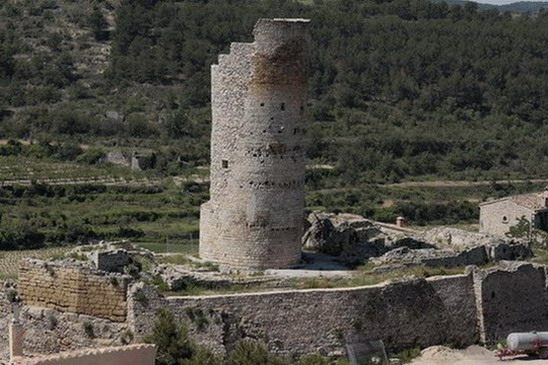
point(497, 216)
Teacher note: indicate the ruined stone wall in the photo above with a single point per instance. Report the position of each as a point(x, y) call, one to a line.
point(5, 317)
point(255, 217)
point(50, 331)
point(492, 216)
point(413, 313)
point(481, 305)
point(123, 355)
point(73, 289)
point(511, 299)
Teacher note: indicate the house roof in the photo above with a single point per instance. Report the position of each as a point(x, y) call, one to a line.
point(533, 201)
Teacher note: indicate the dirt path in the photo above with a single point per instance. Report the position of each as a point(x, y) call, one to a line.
point(440, 183)
point(473, 355)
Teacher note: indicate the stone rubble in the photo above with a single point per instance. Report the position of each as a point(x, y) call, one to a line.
point(354, 239)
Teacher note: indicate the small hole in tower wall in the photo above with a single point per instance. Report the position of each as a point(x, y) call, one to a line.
point(224, 164)
point(262, 104)
point(282, 106)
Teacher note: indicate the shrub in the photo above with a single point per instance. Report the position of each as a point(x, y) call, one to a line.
point(91, 156)
point(171, 338)
point(251, 352)
point(88, 329)
point(141, 298)
point(52, 322)
point(313, 359)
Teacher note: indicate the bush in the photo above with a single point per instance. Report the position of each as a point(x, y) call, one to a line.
point(251, 352)
point(171, 338)
point(313, 359)
point(69, 151)
point(91, 156)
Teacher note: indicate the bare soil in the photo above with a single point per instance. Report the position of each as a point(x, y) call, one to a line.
point(473, 355)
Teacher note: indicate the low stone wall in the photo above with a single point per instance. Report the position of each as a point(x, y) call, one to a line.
point(411, 313)
point(123, 355)
point(511, 299)
point(73, 289)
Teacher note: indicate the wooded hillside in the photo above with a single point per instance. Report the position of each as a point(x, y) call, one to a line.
point(398, 89)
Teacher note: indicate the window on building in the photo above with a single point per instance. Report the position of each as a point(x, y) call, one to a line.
point(282, 106)
point(505, 219)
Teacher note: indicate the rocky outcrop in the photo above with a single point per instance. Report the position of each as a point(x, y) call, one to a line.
point(459, 239)
point(354, 239)
point(405, 256)
point(336, 233)
point(497, 248)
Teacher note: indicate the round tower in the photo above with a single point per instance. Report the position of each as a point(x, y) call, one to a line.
point(255, 217)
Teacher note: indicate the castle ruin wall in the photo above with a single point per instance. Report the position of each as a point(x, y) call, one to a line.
point(255, 217)
point(482, 305)
point(512, 299)
point(412, 313)
point(73, 289)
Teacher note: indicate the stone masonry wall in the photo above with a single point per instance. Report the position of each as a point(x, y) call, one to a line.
point(511, 299)
point(412, 313)
point(255, 217)
point(5, 317)
point(73, 289)
point(492, 216)
point(481, 305)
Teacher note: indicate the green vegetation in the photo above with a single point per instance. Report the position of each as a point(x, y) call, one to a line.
point(50, 215)
point(408, 355)
point(421, 205)
point(362, 276)
point(10, 260)
point(532, 237)
point(165, 218)
point(398, 89)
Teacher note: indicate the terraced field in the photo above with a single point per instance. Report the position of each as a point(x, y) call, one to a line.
point(17, 170)
point(10, 260)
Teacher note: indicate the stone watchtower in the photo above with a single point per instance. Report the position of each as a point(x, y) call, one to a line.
point(254, 219)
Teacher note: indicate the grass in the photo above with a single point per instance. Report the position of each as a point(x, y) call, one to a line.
point(182, 259)
point(366, 278)
point(29, 168)
point(360, 277)
point(157, 247)
point(541, 255)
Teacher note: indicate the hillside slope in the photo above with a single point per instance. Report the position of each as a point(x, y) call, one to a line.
point(397, 89)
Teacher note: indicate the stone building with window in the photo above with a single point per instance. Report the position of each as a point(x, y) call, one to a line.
point(498, 215)
point(255, 217)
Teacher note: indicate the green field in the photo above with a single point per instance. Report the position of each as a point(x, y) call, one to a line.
point(10, 260)
point(29, 168)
